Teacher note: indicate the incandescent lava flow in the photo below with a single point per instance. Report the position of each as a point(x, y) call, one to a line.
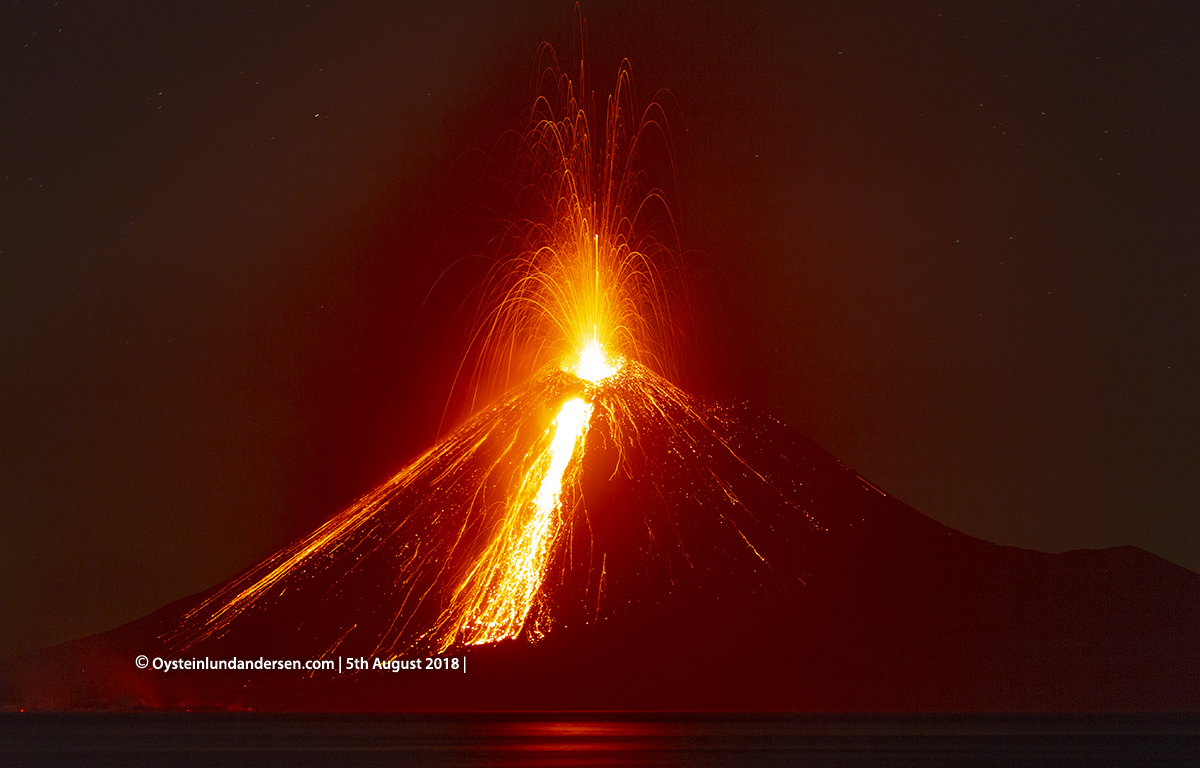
point(489, 535)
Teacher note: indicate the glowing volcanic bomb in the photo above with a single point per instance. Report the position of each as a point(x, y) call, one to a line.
point(471, 539)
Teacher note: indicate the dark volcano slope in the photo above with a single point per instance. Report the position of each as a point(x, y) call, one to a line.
point(769, 577)
point(877, 607)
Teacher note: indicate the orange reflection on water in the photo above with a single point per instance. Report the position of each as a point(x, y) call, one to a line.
point(583, 742)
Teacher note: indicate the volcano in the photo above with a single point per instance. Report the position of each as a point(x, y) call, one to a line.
point(700, 557)
point(599, 539)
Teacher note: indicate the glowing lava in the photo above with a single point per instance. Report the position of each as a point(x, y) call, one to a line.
point(465, 538)
point(497, 596)
point(516, 563)
point(593, 365)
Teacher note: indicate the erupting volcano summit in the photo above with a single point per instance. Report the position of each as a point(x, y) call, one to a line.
point(597, 538)
point(474, 529)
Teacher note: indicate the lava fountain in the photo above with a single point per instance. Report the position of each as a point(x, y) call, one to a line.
point(577, 308)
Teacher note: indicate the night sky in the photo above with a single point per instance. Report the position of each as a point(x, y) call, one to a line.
point(958, 248)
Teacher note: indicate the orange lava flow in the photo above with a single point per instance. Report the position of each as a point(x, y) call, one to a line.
point(469, 533)
point(497, 604)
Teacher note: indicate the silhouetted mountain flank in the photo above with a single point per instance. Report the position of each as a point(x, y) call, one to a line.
point(743, 568)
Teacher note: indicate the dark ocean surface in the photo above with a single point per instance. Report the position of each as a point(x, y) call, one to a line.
point(568, 739)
